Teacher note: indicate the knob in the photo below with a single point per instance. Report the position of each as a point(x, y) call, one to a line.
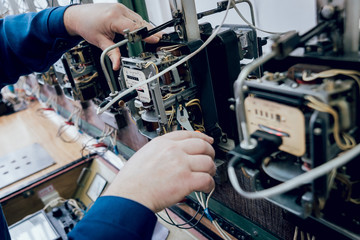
point(56, 212)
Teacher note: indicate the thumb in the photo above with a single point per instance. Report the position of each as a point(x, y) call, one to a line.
point(114, 54)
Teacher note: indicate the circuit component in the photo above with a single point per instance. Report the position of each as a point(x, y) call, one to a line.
point(82, 81)
point(167, 103)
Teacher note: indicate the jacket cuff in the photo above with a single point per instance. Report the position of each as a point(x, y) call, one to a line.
point(56, 24)
point(115, 217)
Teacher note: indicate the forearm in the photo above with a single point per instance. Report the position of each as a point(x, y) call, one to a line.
point(32, 42)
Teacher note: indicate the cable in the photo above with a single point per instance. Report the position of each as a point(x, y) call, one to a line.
point(250, 24)
point(332, 73)
point(295, 182)
point(196, 102)
point(205, 206)
point(296, 233)
point(322, 107)
point(243, 132)
point(102, 62)
point(76, 113)
point(127, 91)
point(188, 222)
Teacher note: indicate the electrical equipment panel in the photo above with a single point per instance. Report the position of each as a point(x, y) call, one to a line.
point(82, 79)
point(299, 113)
point(172, 102)
point(296, 118)
point(316, 120)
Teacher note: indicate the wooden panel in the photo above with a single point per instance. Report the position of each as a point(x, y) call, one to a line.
point(27, 127)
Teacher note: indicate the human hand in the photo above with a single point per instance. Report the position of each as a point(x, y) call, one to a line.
point(98, 23)
point(167, 169)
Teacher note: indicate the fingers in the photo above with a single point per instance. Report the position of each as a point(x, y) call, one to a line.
point(114, 54)
point(134, 21)
point(180, 135)
point(195, 146)
point(200, 163)
point(201, 182)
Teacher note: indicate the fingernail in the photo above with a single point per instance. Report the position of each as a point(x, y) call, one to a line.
point(156, 38)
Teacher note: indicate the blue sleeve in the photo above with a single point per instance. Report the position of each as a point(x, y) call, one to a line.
point(115, 218)
point(32, 42)
point(4, 232)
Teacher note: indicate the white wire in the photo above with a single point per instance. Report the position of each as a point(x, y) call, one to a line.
point(102, 62)
point(297, 181)
point(220, 230)
point(127, 91)
point(205, 205)
point(249, 23)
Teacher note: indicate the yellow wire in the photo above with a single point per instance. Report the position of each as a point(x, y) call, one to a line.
point(332, 73)
point(89, 79)
point(196, 102)
point(322, 107)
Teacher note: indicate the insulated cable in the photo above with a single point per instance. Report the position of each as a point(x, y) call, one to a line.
point(322, 107)
point(233, 2)
point(134, 87)
point(205, 206)
point(103, 66)
point(295, 182)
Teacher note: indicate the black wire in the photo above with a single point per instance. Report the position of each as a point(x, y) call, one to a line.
point(180, 226)
point(188, 221)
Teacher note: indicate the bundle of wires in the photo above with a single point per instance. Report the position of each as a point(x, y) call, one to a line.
point(76, 115)
point(84, 79)
point(205, 205)
point(332, 73)
point(50, 105)
point(302, 235)
point(100, 147)
point(322, 107)
point(196, 103)
point(186, 225)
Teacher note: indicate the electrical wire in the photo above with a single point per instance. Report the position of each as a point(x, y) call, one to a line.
point(332, 73)
point(196, 102)
point(249, 23)
point(322, 107)
point(188, 222)
point(188, 57)
point(104, 68)
point(77, 210)
point(243, 132)
point(72, 120)
point(205, 206)
point(295, 182)
point(82, 70)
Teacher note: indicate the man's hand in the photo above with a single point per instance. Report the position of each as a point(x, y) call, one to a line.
point(167, 169)
point(98, 23)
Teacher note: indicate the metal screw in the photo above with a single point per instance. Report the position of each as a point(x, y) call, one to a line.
point(317, 131)
point(294, 85)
